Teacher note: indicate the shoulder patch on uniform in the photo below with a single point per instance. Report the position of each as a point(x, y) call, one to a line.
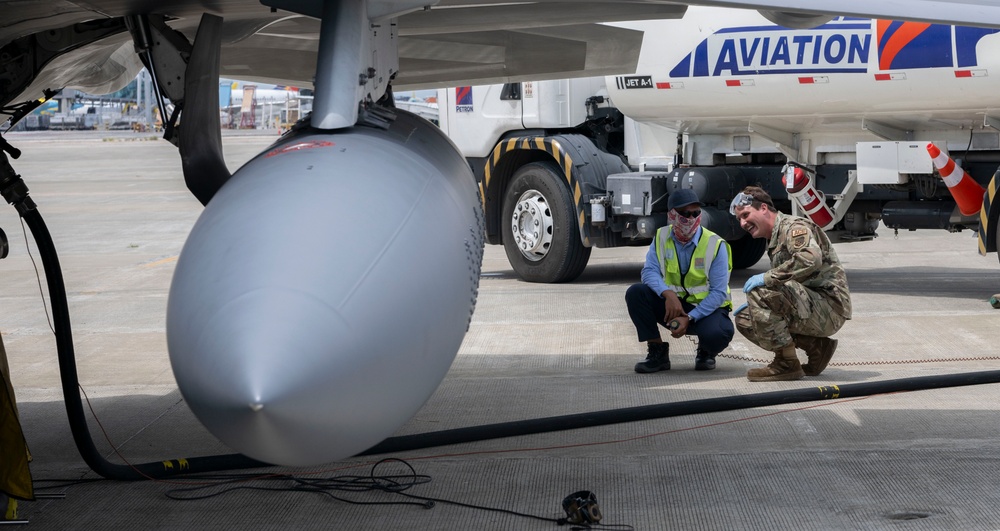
point(799, 237)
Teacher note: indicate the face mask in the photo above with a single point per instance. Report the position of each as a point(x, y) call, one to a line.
point(684, 228)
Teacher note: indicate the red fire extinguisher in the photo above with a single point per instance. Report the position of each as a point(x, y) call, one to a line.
point(812, 201)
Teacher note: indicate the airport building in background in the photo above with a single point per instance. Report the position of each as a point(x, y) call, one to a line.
point(242, 105)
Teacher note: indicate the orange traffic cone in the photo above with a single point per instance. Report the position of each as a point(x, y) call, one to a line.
point(967, 192)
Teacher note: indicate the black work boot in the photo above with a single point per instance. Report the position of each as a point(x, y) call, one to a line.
point(703, 361)
point(657, 360)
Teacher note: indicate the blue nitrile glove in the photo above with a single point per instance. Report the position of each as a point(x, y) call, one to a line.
point(753, 282)
point(740, 309)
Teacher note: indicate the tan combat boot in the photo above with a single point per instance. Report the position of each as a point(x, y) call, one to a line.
point(785, 367)
point(819, 350)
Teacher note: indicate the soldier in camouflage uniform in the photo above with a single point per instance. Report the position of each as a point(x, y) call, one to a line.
point(801, 301)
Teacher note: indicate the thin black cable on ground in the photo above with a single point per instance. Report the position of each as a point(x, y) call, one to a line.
point(392, 484)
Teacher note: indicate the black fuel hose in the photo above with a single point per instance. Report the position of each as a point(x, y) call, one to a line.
point(71, 385)
point(193, 465)
point(675, 409)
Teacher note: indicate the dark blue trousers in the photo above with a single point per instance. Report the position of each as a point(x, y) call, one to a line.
point(647, 310)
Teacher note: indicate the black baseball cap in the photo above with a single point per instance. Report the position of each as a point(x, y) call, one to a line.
point(681, 198)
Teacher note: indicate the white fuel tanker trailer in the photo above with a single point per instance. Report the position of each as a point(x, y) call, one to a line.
point(722, 99)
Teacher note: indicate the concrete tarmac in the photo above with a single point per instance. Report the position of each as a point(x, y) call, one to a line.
point(119, 212)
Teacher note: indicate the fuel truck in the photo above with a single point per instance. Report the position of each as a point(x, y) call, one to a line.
point(852, 122)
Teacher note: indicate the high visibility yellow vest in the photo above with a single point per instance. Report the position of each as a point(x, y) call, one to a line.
point(693, 286)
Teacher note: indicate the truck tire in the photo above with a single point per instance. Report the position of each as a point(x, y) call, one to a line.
point(540, 234)
point(747, 251)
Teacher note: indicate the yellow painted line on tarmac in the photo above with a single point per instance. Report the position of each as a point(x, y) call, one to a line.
point(160, 262)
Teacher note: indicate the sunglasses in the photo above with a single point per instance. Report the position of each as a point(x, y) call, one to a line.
point(689, 214)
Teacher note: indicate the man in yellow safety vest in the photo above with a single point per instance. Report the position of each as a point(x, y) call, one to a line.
point(685, 287)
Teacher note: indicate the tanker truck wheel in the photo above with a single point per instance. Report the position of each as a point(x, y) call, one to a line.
point(541, 235)
point(747, 251)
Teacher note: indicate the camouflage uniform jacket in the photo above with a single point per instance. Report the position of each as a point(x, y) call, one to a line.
point(800, 251)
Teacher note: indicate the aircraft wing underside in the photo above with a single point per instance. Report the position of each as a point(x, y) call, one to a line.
point(452, 42)
point(956, 12)
point(455, 42)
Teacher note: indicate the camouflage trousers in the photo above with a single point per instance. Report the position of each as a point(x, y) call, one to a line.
point(15, 476)
point(774, 316)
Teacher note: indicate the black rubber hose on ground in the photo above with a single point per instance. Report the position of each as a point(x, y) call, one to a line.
point(675, 409)
point(71, 385)
point(192, 465)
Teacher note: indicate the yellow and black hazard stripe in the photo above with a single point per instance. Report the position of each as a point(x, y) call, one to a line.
point(984, 218)
point(829, 392)
point(181, 464)
point(558, 154)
